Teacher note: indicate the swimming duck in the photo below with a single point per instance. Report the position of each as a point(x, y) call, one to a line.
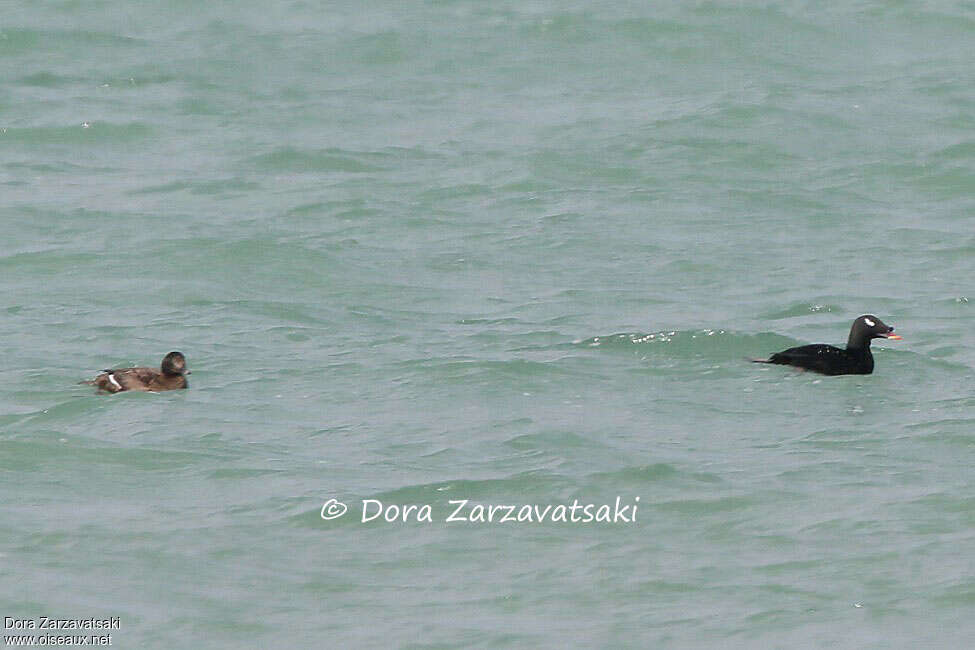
point(170, 375)
point(831, 360)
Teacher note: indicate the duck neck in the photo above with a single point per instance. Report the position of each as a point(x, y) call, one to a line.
point(858, 345)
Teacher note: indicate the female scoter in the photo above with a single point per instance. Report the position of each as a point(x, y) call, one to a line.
point(170, 376)
point(854, 360)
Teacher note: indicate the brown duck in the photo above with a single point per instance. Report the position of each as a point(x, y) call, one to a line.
point(171, 375)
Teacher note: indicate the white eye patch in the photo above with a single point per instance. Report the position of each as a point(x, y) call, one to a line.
point(869, 322)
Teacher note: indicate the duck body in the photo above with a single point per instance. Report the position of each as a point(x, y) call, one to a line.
point(826, 359)
point(171, 375)
point(856, 359)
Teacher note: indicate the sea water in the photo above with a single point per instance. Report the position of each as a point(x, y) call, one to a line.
point(487, 255)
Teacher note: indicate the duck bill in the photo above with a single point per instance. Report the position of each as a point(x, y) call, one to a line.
point(893, 337)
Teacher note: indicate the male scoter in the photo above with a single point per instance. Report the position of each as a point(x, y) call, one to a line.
point(170, 376)
point(829, 360)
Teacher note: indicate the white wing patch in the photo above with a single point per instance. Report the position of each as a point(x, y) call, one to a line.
point(111, 378)
point(869, 322)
